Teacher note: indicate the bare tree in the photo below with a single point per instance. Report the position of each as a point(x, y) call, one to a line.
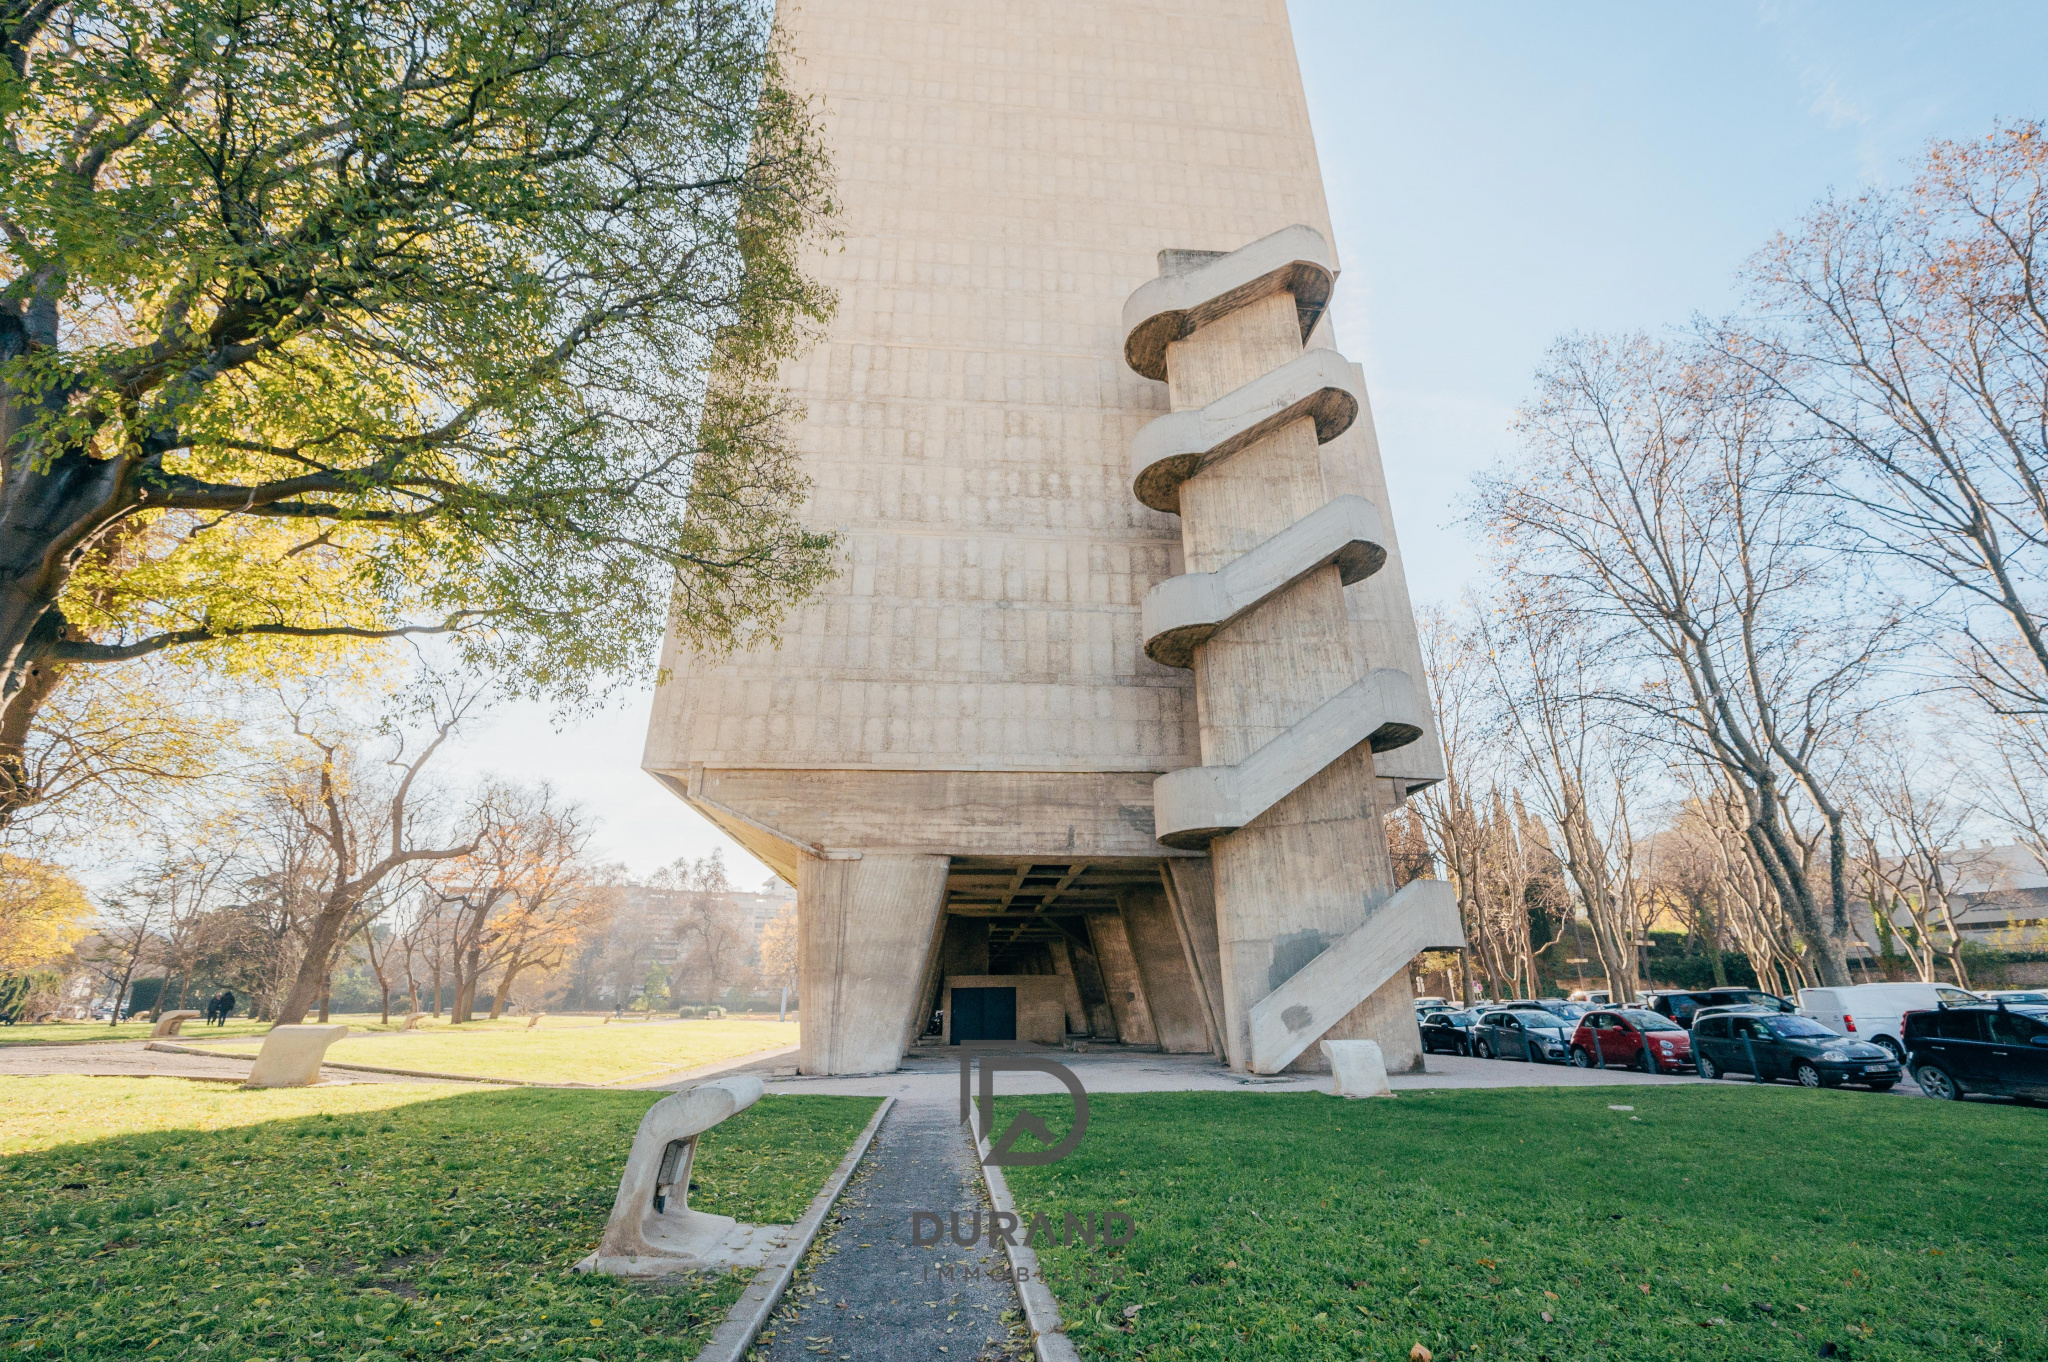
point(1910, 822)
point(1462, 702)
point(371, 830)
point(129, 934)
point(1657, 498)
point(1584, 770)
point(190, 876)
point(712, 935)
point(1910, 329)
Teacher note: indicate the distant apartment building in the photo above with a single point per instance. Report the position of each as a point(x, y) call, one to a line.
point(1998, 895)
point(665, 911)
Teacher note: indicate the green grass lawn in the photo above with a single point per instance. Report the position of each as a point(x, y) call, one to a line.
point(373, 1222)
point(569, 1054)
point(1731, 1223)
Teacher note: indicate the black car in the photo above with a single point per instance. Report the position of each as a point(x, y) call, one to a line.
point(1987, 1049)
point(1679, 1007)
point(1770, 1045)
point(1448, 1032)
point(1522, 1033)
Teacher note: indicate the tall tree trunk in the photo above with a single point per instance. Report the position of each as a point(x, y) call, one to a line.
point(318, 962)
point(512, 969)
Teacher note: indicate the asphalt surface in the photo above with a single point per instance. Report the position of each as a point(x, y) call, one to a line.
point(867, 1292)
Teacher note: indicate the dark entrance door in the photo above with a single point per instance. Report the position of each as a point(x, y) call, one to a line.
point(984, 1014)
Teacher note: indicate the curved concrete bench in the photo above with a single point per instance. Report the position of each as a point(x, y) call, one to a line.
point(291, 1055)
point(1182, 612)
point(1195, 804)
point(653, 1230)
point(169, 1022)
point(535, 1021)
point(411, 1022)
point(1293, 260)
point(1170, 449)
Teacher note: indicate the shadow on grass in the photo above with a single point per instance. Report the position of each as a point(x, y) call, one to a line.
point(1727, 1223)
point(443, 1226)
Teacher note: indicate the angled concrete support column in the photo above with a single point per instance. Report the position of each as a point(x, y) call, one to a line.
point(1191, 895)
point(1170, 990)
point(867, 929)
point(1070, 988)
point(1120, 976)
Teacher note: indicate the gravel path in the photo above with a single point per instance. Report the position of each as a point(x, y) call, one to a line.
point(867, 1293)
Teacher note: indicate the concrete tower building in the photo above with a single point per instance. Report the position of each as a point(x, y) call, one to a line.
point(1095, 732)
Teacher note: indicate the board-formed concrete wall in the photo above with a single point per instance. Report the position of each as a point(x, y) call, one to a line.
point(974, 683)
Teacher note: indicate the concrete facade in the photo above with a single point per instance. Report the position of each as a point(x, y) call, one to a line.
point(953, 754)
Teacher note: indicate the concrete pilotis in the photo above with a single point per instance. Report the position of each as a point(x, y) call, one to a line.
point(867, 928)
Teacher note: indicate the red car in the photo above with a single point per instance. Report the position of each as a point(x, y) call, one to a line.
point(1631, 1038)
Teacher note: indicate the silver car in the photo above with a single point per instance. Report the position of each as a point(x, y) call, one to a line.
point(1522, 1033)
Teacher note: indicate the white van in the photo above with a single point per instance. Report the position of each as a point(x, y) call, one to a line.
point(1871, 1012)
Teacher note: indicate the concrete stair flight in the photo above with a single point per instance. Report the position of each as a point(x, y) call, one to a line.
point(1422, 915)
point(1292, 260)
point(1241, 460)
point(1182, 612)
point(1195, 804)
point(1166, 452)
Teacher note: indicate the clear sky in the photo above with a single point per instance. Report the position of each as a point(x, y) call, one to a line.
point(1499, 174)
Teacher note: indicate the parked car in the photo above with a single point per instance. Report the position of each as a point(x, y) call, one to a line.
point(1447, 1032)
point(1770, 1045)
point(1631, 1038)
point(1593, 997)
point(2017, 996)
point(1982, 1048)
point(1872, 1011)
point(1432, 1001)
point(1682, 1006)
point(1744, 1009)
point(1522, 1033)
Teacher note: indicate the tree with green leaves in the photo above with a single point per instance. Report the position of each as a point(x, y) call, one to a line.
point(347, 319)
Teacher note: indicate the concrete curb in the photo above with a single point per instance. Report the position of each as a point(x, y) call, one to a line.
point(757, 1303)
point(1048, 1342)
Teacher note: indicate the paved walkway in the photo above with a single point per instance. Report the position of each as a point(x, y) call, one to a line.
point(930, 1074)
point(933, 1074)
point(867, 1292)
point(131, 1059)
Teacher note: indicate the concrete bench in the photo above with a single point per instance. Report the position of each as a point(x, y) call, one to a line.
point(291, 1055)
point(653, 1231)
point(535, 1021)
point(169, 1022)
point(1358, 1067)
point(411, 1022)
